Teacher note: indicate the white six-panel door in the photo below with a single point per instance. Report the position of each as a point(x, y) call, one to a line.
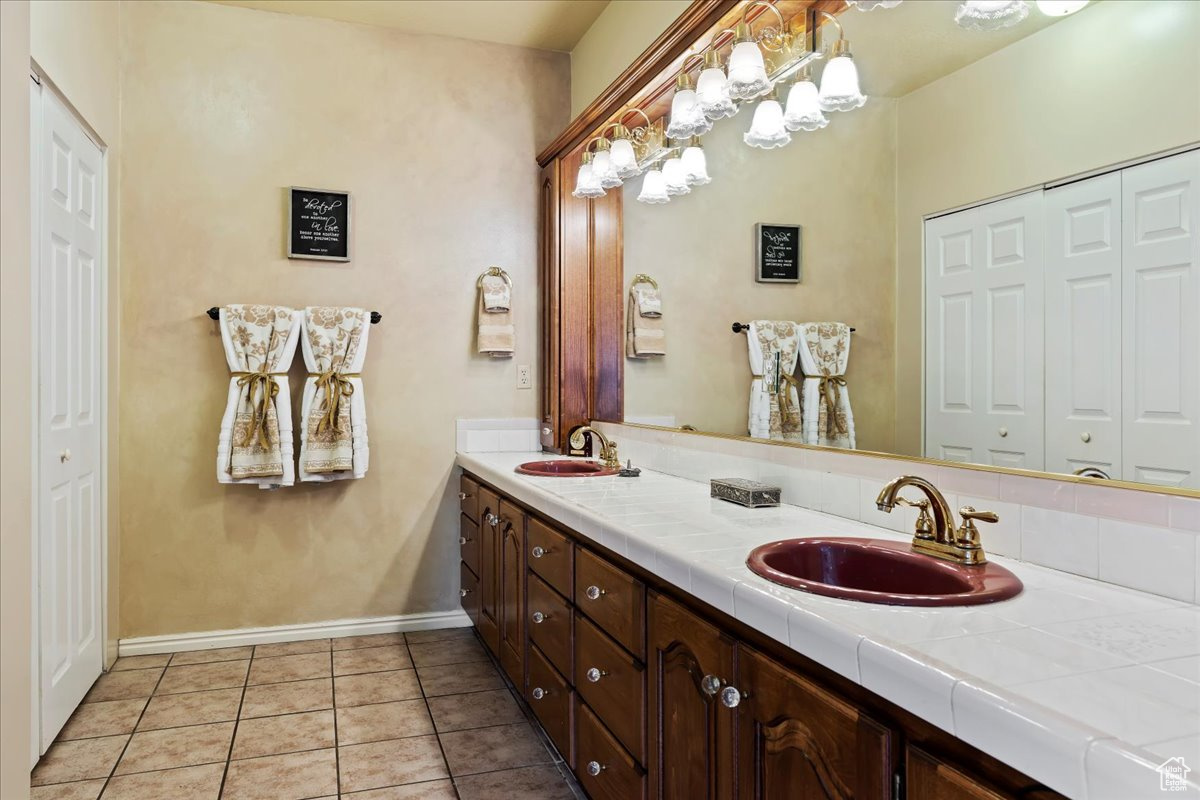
point(68, 198)
point(1161, 335)
point(1083, 326)
point(984, 330)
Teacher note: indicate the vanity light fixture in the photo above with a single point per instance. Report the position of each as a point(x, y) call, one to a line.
point(712, 88)
point(747, 68)
point(803, 111)
point(630, 148)
point(767, 129)
point(602, 167)
point(687, 117)
point(1060, 8)
point(695, 164)
point(839, 82)
point(990, 15)
point(586, 184)
point(675, 177)
point(654, 188)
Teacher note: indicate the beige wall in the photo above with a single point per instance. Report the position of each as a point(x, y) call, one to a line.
point(619, 35)
point(224, 108)
point(1047, 107)
point(76, 45)
point(16, 402)
point(839, 183)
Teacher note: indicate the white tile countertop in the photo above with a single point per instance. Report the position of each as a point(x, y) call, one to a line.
point(1082, 685)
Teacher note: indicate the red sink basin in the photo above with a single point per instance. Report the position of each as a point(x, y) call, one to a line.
point(880, 571)
point(565, 469)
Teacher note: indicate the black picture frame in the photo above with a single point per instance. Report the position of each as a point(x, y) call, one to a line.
point(319, 224)
point(778, 252)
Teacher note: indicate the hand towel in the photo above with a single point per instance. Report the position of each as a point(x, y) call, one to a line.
point(497, 294)
point(825, 401)
point(333, 432)
point(496, 336)
point(644, 335)
point(255, 443)
point(774, 401)
point(649, 303)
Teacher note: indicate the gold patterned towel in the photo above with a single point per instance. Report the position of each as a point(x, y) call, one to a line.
point(333, 442)
point(825, 401)
point(644, 333)
point(255, 445)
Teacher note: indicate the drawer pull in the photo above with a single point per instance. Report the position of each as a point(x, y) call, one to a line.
point(538, 551)
point(731, 697)
point(491, 519)
point(463, 495)
point(594, 768)
point(595, 674)
point(463, 540)
point(538, 617)
point(538, 693)
point(463, 592)
point(710, 685)
point(594, 592)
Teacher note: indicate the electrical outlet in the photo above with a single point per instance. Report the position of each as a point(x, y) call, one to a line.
point(524, 377)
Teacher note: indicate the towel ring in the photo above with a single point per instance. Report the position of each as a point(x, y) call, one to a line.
point(494, 272)
point(642, 277)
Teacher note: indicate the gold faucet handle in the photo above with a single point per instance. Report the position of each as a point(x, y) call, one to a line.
point(968, 534)
point(611, 459)
point(924, 527)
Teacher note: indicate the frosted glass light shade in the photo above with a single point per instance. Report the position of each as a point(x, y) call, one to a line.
point(603, 172)
point(654, 188)
point(747, 72)
point(767, 129)
point(712, 93)
point(1060, 8)
point(871, 5)
point(803, 112)
point(695, 165)
point(687, 118)
point(839, 86)
point(586, 184)
point(990, 15)
point(623, 159)
point(675, 177)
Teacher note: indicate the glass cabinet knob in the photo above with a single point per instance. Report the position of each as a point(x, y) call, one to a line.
point(594, 592)
point(538, 617)
point(594, 675)
point(594, 768)
point(538, 693)
point(463, 540)
point(538, 552)
point(463, 592)
point(463, 495)
point(730, 697)
point(710, 684)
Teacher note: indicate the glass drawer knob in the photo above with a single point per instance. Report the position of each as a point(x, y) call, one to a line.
point(538, 693)
point(463, 592)
point(730, 697)
point(594, 675)
point(463, 540)
point(538, 552)
point(710, 684)
point(594, 768)
point(463, 495)
point(594, 592)
point(539, 617)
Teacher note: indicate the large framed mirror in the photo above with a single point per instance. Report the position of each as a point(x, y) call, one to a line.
point(997, 254)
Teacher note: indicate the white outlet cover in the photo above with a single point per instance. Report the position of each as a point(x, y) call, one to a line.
point(524, 377)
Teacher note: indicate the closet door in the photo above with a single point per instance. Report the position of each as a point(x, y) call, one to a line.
point(1161, 332)
point(984, 334)
point(1083, 326)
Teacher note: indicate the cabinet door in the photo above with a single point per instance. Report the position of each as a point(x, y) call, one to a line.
point(1161, 353)
point(489, 565)
point(548, 302)
point(795, 740)
point(691, 732)
point(1083, 326)
point(512, 591)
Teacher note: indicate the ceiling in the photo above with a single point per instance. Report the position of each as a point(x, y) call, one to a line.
point(544, 24)
point(904, 48)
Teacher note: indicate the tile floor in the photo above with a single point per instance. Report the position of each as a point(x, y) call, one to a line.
point(388, 717)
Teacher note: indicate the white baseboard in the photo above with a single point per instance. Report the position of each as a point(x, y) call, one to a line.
point(208, 640)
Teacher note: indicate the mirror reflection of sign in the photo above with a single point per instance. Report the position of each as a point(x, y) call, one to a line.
point(777, 247)
point(778, 253)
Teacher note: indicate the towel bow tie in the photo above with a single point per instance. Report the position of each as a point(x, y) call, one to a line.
point(336, 386)
point(263, 384)
point(828, 387)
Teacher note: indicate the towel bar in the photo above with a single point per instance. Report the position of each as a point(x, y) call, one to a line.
point(741, 327)
point(215, 313)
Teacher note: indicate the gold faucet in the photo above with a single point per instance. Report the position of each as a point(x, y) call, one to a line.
point(608, 449)
point(938, 536)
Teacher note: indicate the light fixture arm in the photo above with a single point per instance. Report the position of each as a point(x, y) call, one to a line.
point(841, 46)
point(773, 43)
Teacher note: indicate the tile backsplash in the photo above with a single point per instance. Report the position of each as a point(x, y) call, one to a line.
point(512, 435)
point(1140, 540)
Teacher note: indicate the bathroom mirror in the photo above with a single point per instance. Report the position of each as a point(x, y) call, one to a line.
point(1009, 224)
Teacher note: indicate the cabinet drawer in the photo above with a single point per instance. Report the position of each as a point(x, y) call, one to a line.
point(612, 599)
point(613, 684)
point(468, 496)
point(468, 541)
point(549, 695)
point(551, 555)
point(553, 633)
point(469, 592)
point(604, 769)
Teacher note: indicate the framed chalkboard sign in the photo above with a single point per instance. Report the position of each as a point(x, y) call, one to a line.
point(777, 253)
point(319, 224)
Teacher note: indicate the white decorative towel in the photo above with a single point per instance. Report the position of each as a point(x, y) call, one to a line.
point(649, 303)
point(496, 335)
point(497, 294)
point(333, 428)
point(644, 333)
point(774, 402)
point(825, 402)
point(255, 443)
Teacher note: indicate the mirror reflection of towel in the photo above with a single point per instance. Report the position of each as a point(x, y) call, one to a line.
point(649, 304)
point(825, 400)
point(644, 333)
point(497, 294)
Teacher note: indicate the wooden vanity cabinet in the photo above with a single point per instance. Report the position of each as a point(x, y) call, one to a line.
point(511, 541)
point(489, 561)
